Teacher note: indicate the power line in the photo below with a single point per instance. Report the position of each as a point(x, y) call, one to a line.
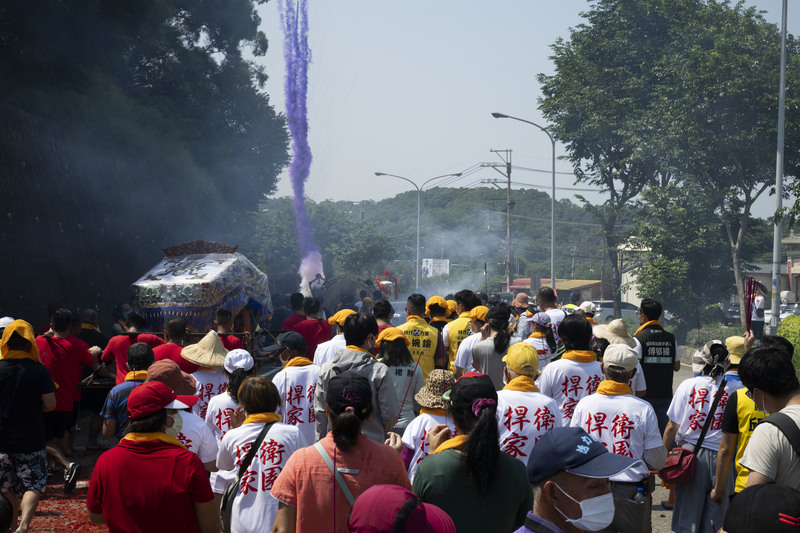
point(563, 221)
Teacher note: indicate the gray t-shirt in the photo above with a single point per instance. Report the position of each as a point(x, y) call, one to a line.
point(490, 361)
point(770, 454)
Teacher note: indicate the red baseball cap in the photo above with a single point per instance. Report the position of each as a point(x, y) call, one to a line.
point(392, 508)
point(152, 396)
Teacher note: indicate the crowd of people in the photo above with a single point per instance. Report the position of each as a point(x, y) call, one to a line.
point(473, 415)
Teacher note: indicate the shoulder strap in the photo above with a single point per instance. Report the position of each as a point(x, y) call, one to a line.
point(537, 527)
point(711, 413)
point(339, 479)
point(252, 451)
point(788, 427)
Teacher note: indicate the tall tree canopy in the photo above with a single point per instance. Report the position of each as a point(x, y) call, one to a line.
point(126, 127)
point(652, 92)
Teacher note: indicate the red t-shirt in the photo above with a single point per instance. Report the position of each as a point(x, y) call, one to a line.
point(117, 350)
point(173, 352)
point(145, 486)
point(292, 320)
point(231, 342)
point(315, 331)
point(64, 357)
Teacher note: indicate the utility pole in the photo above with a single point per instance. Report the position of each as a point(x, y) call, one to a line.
point(505, 156)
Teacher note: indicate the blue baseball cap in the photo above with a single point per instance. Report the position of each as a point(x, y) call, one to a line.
point(571, 449)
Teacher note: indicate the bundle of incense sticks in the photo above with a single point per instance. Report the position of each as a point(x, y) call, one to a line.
point(749, 296)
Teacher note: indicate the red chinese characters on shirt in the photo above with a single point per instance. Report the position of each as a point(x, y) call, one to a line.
point(223, 420)
point(185, 440)
point(595, 423)
point(698, 400)
point(543, 419)
point(513, 445)
point(592, 382)
point(516, 416)
point(621, 428)
point(270, 454)
point(571, 386)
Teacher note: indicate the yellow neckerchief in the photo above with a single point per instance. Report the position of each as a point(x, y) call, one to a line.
point(359, 349)
point(537, 335)
point(591, 320)
point(25, 330)
point(522, 383)
point(136, 375)
point(417, 317)
point(613, 388)
point(298, 361)
point(650, 323)
point(155, 435)
point(580, 356)
point(528, 314)
point(433, 411)
point(456, 442)
point(261, 418)
point(84, 325)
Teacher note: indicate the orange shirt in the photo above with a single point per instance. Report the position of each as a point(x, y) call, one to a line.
point(307, 483)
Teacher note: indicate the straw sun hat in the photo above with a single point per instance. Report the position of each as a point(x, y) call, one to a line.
point(209, 352)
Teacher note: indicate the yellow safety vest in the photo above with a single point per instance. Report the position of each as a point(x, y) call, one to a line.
point(457, 331)
point(748, 417)
point(423, 342)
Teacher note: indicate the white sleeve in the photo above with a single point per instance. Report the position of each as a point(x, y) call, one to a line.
point(638, 348)
point(446, 335)
point(224, 456)
point(208, 449)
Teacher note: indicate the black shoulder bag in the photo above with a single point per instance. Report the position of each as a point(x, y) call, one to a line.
point(230, 493)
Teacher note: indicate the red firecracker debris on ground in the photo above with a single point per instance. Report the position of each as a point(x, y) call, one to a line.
point(67, 512)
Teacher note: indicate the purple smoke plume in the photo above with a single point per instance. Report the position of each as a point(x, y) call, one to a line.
point(294, 20)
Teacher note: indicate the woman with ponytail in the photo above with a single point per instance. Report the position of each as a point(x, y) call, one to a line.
point(487, 355)
point(239, 365)
point(253, 506)
point(310, 499)
point(479, 486)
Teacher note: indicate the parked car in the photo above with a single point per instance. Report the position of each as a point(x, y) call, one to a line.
point(605, 311)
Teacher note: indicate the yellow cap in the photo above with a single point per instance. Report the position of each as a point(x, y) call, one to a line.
point(479, 313)
point(391, 334)
point(451, 305)
point(340, 316)
point(522, 358)
point(735, 347)
point(435, 300)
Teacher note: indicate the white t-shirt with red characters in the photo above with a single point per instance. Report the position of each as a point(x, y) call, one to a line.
point(416, 437)
point(556, 316)
point(691, 405)
point(543, 349)
point(296, 386)
point(624, 424)
point(522, 418)
point(210, 383)
point(568, 382)
point(193, 433)
point(218, 420)
point(254, 506)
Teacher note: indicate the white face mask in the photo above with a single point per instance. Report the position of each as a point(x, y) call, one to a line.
point(596, 513)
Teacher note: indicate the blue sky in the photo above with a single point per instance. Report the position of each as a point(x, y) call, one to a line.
point(408, 88)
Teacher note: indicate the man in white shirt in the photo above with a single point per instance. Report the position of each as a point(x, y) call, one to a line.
point(523, 413)
point(297, 384)
point(326, 350)
point(578, 373)
point(477, 319)
point(625, 425)
point(770, 378)
point(546, 299)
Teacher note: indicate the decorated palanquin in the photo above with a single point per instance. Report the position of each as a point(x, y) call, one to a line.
point(195, 279)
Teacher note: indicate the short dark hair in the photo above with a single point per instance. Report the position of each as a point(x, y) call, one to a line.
point(257, 394)
point(140, 356)
point(296, 301)
point(395, 353)
point(650, 309)
point(778, 343)
point(382, 309)
point(176, 328)
point(482, 296)
point(617, 374)
point(136, 321)
point(359, 326)
point(416, 303)
point(224, 316)
point(467, 299)
point(545, 294)
point(311, 305)
point(576, 332)
point(766, 367)
point(61, 319)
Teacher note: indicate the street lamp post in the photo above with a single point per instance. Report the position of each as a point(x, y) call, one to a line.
point(419, 202)
point(552, 199)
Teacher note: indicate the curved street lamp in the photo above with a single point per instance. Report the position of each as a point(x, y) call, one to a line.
point(419, 199)
point(552, 200)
